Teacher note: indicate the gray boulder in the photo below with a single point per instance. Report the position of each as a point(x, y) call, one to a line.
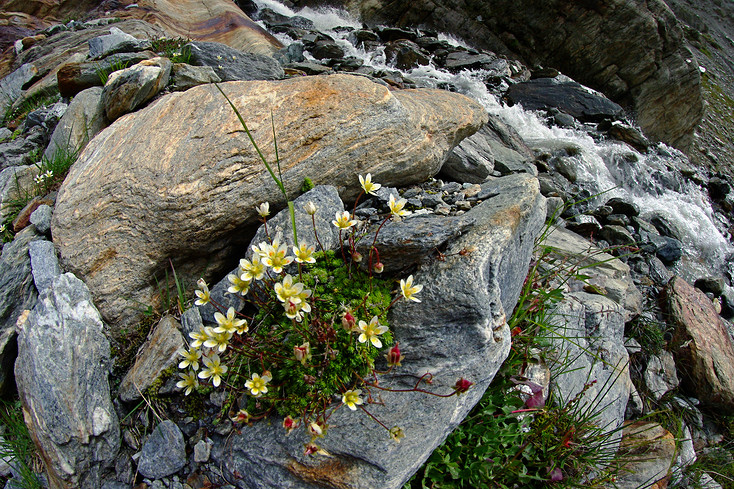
point(44, 264)
point(114, 42)
point(41, 218)
point(458, 330)
point(186, 76)
point(128, 89)
point(12, 85)
point(587, 356)
point(61, 373)
point(230, 64)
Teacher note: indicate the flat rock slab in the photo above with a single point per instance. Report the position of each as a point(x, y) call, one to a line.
point(180, 179)
point(458, 330)
point(701, 345)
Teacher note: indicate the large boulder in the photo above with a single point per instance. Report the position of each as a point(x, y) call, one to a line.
point(458, 330)
point(633, 52)
point(187, 189)
point(701, 345)
point(61, 373)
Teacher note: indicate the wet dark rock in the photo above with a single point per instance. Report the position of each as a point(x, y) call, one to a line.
point(247, 6)
point(618, 219)
point(565, 166)
point(326, 49)
point(665, 227)
point(718, 188)
point(462, 60)
point(388, 34)
point(714, 285)
point(359, 36)
point(567, 96)
point(350, 63)
point(617, 235)
point(668, 250)
point(621, 206)
point(431, 44)
point(630, 135)
point(405, 54)
point(274, 19)
point(562, 119)
point(309, 68)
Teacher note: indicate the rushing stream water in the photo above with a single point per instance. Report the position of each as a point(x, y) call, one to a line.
point(649, 180)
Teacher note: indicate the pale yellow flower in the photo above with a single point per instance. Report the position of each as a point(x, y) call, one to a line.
point(213, 368)
point(343, 220)
point(351, 399)
point(396, 433)
point(367, 184)
point(188, 381)
point(258, 385)
point(396, 206)
point(252, 270)
point(276, 256)
point(304, 253)
point(229, 323)
point(287, 289)
point(218, 341)
point(191, 358)
point(239, 286)
point(371, 332)
point(200, 336)
point(409, 290)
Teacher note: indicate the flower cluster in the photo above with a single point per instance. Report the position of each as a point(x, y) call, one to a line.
point(41, 178)
point(287, 351)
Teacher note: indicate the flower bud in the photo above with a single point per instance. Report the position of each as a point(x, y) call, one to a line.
point(348, 321)
point(302, 353)
point(242, 416)
point(311, 448)
point(462, 385)
point(378, 267)
point(310, 208)
point(289, 424)
point(394, 357)
point(357, 257)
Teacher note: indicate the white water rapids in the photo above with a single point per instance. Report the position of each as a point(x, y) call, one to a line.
point(603, 166)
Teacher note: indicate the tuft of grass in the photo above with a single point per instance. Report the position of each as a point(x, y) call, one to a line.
point(16, 446)
point(104, 73)
point(173, 49)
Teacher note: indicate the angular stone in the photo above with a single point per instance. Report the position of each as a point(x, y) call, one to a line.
point(461, 60)
point(651, 451)
point(617, 235)
point(463, 309)
point(114, 42)
point(23, 219)
point(622, 206)
point(41, 218)
point(186, 76)
point(405, 54)
point(660, 375)
point(15, 183)
point(230, 64)
point(61, 373)
point(702, 347)
point(12, 85)
point(605, 272)
point(73, 78)
point(214, 179)
point(159, 353)
point(164, 453)
point(128, 89)
point(17, 294)
point(44, 264)
point(84, 118)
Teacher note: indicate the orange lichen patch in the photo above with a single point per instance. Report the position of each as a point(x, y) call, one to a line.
point(102, 260)
point(334, 473)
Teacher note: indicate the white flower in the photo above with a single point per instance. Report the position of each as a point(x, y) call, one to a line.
point(310, 208)
point(263, 209)
point(367, 184)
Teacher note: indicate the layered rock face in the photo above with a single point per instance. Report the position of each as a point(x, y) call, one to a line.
point(188, 189)
point(634, 53)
